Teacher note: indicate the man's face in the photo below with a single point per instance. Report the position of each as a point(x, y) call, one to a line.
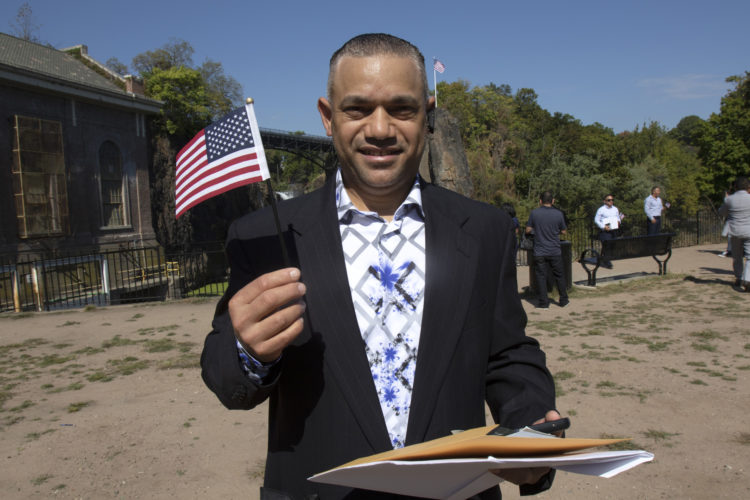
point(656, 192)
point(377, 118)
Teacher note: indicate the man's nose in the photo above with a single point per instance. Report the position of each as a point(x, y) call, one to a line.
point(379, 124)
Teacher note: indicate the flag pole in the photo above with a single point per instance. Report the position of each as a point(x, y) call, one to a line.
point(434, 80)
point(249, 102)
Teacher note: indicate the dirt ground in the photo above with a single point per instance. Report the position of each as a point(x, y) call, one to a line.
point(109, 403)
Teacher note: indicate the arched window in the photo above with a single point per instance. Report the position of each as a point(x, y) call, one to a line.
point(112, 186)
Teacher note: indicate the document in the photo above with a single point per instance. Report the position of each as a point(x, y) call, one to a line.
point(459, 466)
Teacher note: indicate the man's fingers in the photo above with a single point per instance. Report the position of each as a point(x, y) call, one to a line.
point(267, 281)
point(521, 476)
point(270, 336)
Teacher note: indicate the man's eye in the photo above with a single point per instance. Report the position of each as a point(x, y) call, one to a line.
point(403, 112)
point(356, 111)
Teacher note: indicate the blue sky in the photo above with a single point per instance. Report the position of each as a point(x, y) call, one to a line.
point(621, 63)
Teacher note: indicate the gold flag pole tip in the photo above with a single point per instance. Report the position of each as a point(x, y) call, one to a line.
point(249, 100)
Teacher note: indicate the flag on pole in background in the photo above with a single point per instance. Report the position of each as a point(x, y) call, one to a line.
point(439, 66)
point(225, 155)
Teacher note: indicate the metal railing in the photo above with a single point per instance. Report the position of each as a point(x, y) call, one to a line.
point(702, 228)
point(151, 274)
point(110, 277)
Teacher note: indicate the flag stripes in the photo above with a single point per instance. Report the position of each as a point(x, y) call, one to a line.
point(223, 156)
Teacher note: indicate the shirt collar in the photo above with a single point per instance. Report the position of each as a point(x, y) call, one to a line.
point(344, 205)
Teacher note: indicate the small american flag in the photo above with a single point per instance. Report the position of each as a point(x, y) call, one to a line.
point(225, 155)
point(439, 66)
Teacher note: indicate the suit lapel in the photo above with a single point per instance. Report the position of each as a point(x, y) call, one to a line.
point(331, 312)
point(451, 267)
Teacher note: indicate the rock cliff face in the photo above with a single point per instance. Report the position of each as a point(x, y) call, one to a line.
point(444, 161)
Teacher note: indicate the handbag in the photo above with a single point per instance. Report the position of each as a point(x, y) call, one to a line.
point(527, 241)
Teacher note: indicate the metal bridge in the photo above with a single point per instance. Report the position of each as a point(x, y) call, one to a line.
point(314, 148)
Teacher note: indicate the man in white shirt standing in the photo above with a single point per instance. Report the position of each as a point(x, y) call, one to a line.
point(653, 208)
point(608, 219)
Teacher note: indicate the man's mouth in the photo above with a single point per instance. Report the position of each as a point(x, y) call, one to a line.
point(379, 152)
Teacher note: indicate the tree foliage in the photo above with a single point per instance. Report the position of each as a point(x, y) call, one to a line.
point(516, 149)
point(725, 141)
point(192, 97)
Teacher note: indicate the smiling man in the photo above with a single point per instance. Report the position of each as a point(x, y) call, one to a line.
point(400, 316)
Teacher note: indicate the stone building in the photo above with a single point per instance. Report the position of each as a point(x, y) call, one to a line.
point(74, 163)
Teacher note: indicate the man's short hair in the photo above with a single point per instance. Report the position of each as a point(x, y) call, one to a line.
point(654, 189)
point(546, 197)
point(742, 183)
point(374, 44)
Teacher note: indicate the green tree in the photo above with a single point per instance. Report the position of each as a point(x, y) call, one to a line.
point(192, 98)
point(725, 142)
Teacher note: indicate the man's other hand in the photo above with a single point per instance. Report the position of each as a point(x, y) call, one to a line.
point(529, 475)
point(267, 313)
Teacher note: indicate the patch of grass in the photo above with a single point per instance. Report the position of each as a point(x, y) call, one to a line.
point(76, 407)
point(707, 335)
point(695, 363)
point(698, 382)
point(117, 341)
point(90, 308)
point(564, 375)
point(160, 345)
point(26, 404)
point(40, 480)
point(184, 360)
point(627, 444)
point(100, 376)
point(69, 323)
point(128, 365)
point(659, 435)
point(75, 386)
point(210, 289)
point(88, 350)
point(743, 438)
point(54, 359)
point(703, 346)
point(33, 436)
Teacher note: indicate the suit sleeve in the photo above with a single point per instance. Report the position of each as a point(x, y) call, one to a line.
point(220, 363)
point(519, 387)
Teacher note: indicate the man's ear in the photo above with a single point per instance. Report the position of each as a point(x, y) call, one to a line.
point(326, 114)
point(431, 114)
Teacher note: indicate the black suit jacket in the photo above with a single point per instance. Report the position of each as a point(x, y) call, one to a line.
point(323, 408)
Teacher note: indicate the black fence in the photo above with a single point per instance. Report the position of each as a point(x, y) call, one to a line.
point(701, 228)
point(110, 277)
point(151, 274)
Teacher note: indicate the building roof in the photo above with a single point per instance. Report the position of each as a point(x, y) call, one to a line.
point(32, 64)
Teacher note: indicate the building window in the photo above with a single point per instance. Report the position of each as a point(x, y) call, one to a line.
point(39, 186)
point(112, 186)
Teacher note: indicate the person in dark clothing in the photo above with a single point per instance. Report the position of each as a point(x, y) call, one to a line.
point(547, 223)
point(508, 207)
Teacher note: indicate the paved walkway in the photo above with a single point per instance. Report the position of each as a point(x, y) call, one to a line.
point(699, 261)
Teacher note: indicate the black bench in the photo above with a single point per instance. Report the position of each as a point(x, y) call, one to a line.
point(629, 247)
